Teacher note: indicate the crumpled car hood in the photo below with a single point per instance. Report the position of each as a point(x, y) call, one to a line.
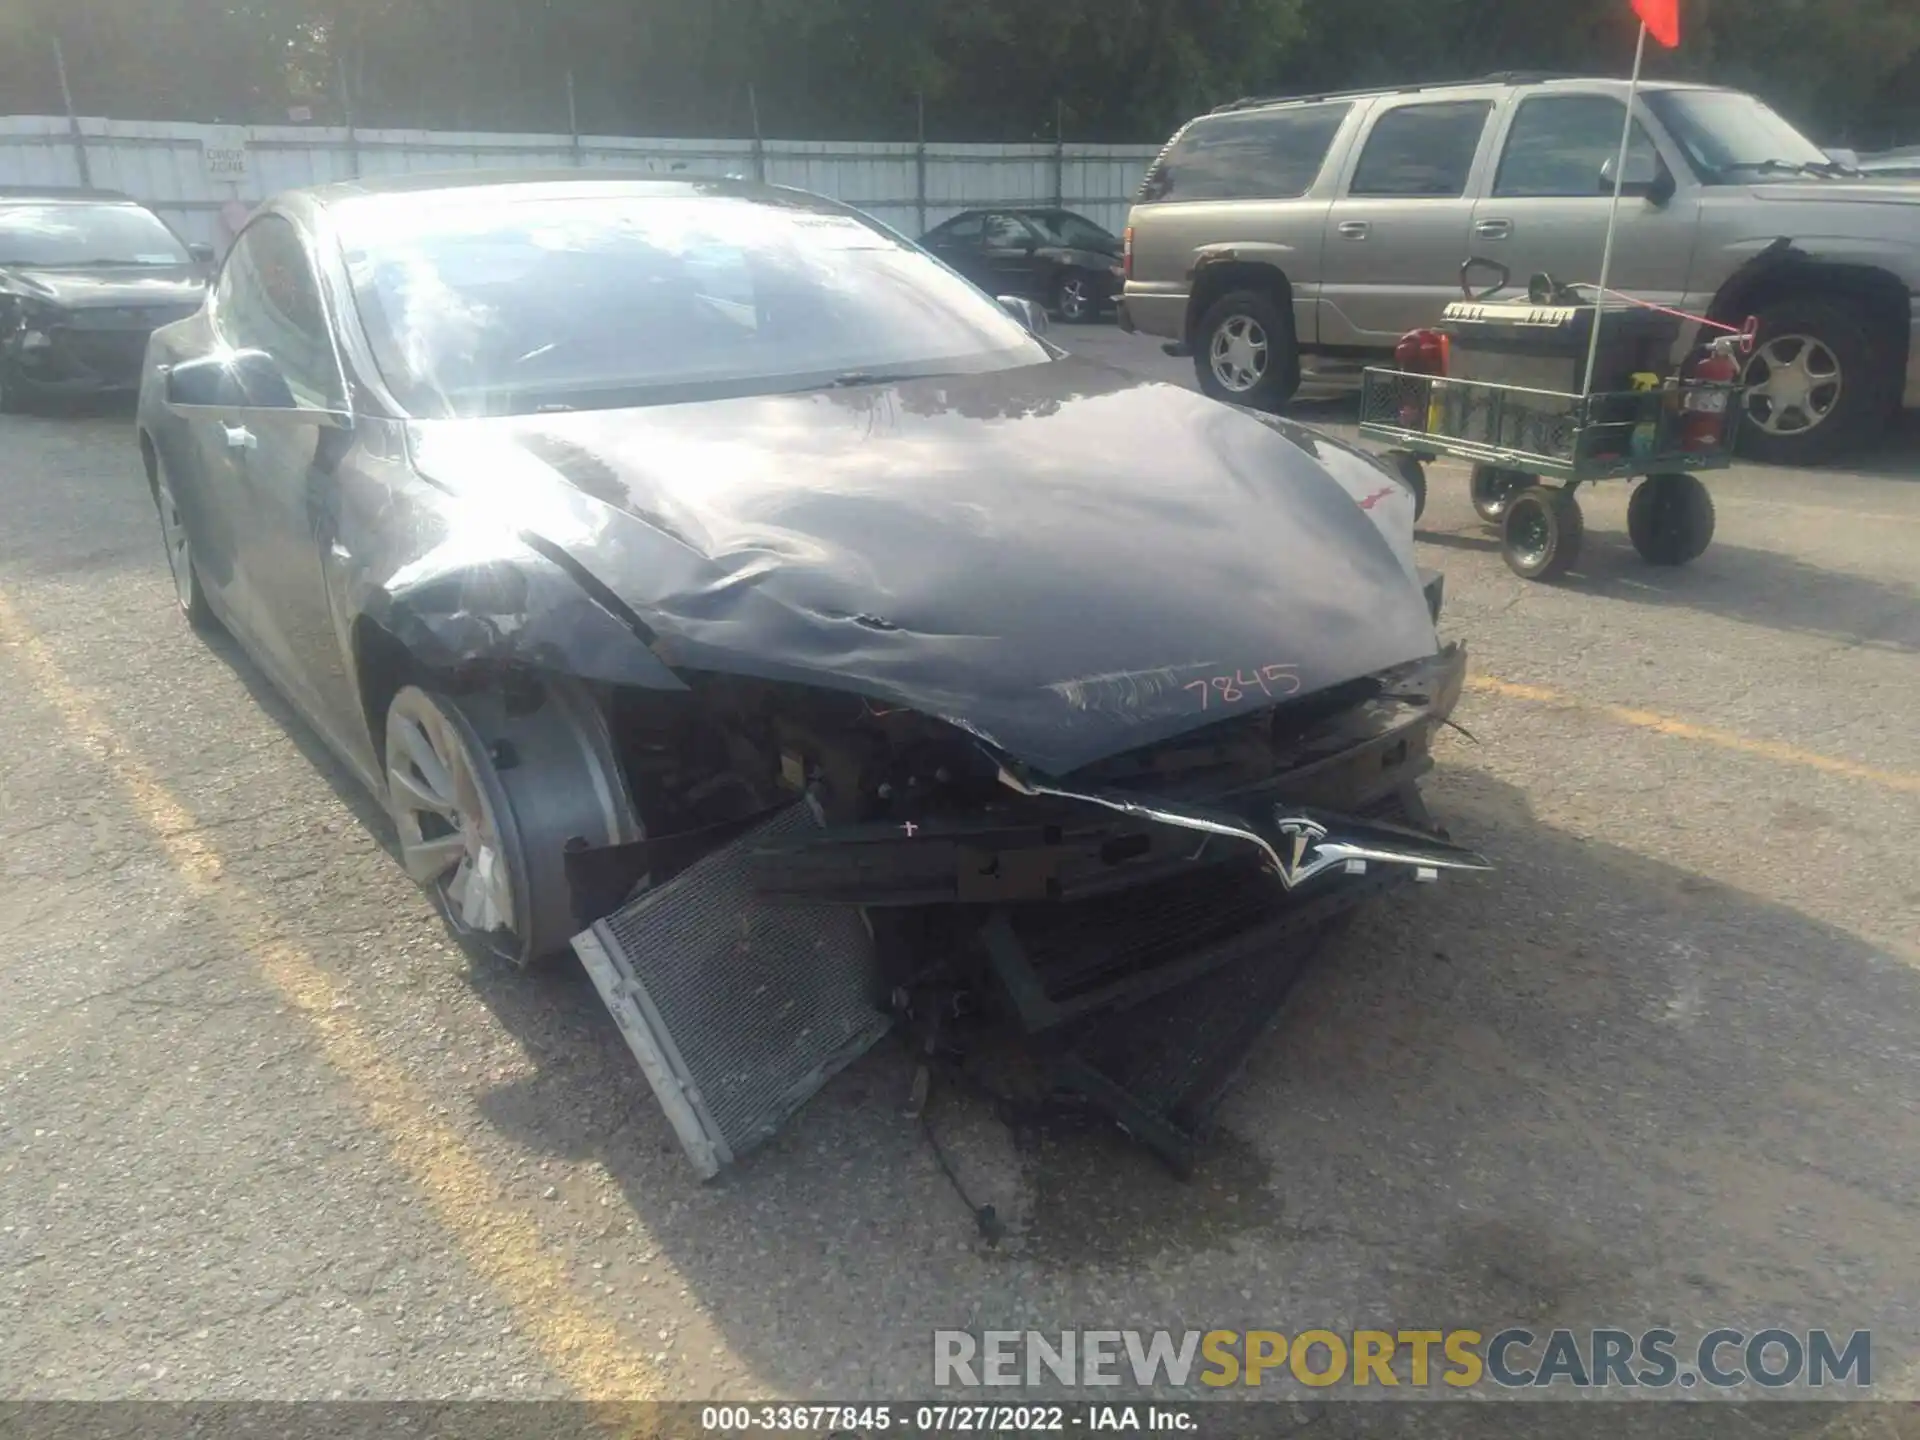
point(1066, 560)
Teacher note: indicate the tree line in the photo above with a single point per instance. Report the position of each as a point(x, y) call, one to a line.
point(1094, 70)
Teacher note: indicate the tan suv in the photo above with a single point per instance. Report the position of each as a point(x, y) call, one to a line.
point(1327, 226)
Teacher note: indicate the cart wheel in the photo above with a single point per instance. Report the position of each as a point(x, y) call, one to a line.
point(1541, 533)
point(1410, 468)
point(1493, 490)
point(1670, 519)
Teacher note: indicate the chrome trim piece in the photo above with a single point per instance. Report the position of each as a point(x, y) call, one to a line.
point(1304, 843)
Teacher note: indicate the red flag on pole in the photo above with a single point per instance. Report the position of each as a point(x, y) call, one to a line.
point(1662, 19)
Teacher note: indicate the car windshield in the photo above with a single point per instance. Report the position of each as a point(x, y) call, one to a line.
point(65, 234)
point(1732, 137)
point(1062, 227)
point(489, 304)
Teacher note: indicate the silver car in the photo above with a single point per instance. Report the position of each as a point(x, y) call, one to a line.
point(1327, 226)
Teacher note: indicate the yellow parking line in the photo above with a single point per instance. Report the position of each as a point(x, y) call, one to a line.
point(1901, 780)
point(498, 1241)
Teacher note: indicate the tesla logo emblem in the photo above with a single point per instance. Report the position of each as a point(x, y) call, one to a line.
point(1305, 836)
point(911, 829)
point(1375, 498)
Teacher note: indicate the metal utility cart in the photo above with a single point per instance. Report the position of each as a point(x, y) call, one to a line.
point(1499, 385)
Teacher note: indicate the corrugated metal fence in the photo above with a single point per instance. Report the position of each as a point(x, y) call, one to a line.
point(203, 177)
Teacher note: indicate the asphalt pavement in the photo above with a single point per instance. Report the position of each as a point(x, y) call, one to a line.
point(264, 1132)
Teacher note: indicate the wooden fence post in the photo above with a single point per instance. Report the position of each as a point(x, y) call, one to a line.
point(920, 163)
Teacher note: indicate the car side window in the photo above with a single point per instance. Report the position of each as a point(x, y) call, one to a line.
point(1008, 232)
point(268, 299)
point(1259, 155)
point(1558, 144)
point(1421, 151)
point(962, 230)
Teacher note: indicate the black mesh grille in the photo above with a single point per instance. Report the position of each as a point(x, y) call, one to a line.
point(763, 1002)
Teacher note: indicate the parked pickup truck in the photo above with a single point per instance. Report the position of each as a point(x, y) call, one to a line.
point(1329, 225)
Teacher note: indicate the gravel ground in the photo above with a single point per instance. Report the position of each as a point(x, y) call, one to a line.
point(265, 1134)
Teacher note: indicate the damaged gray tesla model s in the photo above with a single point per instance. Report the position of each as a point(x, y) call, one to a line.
point(710, 581)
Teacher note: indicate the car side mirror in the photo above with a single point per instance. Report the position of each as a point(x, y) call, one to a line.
point(1647, 178)
point(201, 252)
point(240, 382)
point(1026, 312)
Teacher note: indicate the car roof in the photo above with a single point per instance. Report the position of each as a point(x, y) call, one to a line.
point(62, 195)
point(555, 185)
point(1014, 210)
point(1530, 79)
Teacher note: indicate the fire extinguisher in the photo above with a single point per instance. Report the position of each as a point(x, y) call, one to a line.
point(1705, 388)
point(1425, 353)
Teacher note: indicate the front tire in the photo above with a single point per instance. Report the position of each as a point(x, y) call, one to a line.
point(1670, 519)
point(1074, 299)
point(1245, 352)
point(13, 396)
point(1541, 536)
point(1492, 490)
point(188, 592)
point(487, 793)
point(1817, 387)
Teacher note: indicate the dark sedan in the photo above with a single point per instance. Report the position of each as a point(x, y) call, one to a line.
point(1061, 260)
point(85, 278)
point(603, 526)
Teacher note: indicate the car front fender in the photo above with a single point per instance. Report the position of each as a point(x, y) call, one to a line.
point(453, 608)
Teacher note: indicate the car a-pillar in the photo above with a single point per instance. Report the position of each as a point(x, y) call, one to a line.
point(1829, 364)
point(1240, 329)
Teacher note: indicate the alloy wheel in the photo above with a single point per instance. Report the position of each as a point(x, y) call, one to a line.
point(1239, 353)
point(450, 836)
point(1793, 383)
point(1530, 537)
point(1074, 301)
point(173, 532)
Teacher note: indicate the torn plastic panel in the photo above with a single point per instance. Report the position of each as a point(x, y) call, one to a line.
point(1026, 913)
point(1168, 815)
point(458, 606)
point(1296, 844)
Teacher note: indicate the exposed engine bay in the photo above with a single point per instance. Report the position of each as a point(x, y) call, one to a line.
point(994, 903)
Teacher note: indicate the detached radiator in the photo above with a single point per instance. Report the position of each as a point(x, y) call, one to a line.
point(738, 1010)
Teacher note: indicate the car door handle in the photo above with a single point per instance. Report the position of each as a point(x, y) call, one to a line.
point(1353, 229)
point(1494, 229)
point(239, 437)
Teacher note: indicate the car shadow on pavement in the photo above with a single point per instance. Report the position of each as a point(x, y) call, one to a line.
point(1737, 582)
point(1586, 1089)
point(1896, 456)
point(367, 810)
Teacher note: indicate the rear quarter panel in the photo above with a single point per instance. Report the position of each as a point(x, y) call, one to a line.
point(1170, 239)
